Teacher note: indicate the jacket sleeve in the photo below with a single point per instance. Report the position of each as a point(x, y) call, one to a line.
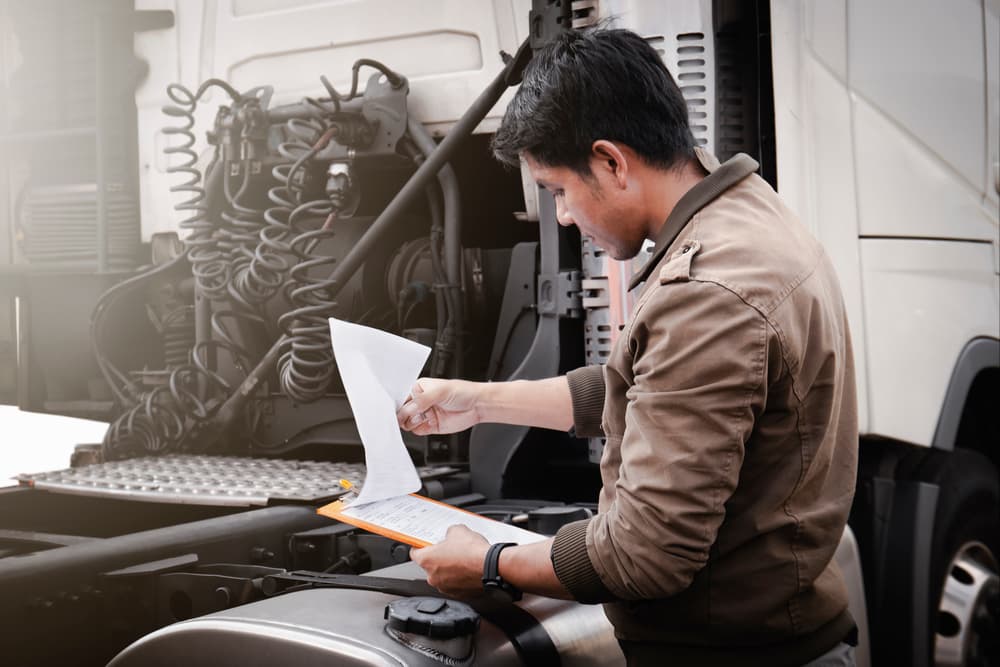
point(586, 390)
point(698, 359)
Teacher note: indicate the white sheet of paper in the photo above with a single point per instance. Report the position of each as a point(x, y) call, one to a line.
point(378, 370)
point(429, 521)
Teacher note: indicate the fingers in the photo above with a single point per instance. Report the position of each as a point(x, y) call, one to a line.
point(417, 555)
point(405, 415)
point(419, 422)
point(423, 394)
point(416, 411)
point(429, 426)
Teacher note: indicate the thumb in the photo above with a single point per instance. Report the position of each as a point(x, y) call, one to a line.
point(458, 530)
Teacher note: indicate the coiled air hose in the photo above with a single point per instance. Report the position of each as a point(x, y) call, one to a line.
point(228, 414)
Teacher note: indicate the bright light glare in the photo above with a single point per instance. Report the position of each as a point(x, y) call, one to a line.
point(32, 442)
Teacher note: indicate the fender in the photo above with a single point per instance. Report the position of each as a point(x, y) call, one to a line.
point(979, 354)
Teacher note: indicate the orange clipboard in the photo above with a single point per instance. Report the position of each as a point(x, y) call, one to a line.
point(337, 510)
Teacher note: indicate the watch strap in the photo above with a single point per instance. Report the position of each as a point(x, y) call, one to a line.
point(491, 571)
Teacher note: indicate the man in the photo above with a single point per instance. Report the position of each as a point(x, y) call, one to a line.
point(728, 399)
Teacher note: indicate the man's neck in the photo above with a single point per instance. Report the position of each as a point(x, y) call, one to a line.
point(669, 186)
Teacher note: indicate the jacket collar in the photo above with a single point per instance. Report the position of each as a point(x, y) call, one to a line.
point(720, 178)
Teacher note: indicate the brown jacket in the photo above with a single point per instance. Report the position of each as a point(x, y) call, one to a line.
point(731, 422)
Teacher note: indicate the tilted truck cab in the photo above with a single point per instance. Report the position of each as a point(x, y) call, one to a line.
point(186, 201)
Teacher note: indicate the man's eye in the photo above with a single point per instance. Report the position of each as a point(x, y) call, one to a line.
point(557, 193)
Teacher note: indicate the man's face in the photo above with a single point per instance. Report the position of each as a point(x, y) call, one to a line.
point(593, 204)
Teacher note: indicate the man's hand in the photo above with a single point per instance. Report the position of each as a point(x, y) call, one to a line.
point(449, 406)
point(455, 566)
point(440, 406)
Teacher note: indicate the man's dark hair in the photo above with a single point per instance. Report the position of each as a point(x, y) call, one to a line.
point(598, 84)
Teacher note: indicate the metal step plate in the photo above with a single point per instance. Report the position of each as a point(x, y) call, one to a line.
point(211, 480)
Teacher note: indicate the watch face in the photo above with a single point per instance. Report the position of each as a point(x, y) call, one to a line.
point(501, 590)
point(497, 592)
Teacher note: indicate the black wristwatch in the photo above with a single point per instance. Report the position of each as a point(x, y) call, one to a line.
point(492, 581)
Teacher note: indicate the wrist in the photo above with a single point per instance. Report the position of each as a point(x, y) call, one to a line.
point(485, 405)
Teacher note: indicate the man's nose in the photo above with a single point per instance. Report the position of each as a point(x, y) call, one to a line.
point(562, 214)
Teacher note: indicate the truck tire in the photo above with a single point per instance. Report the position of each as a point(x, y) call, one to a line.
point(964, 549)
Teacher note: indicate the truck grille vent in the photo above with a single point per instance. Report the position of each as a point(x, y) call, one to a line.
point(58, 224)
point(656, 41)
point(734, 111)
point(210, 480)
point(585, 13)
point(692, 80)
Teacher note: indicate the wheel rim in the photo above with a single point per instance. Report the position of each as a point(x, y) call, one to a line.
point(968, 612)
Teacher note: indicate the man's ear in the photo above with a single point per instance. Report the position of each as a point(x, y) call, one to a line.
point(606, 157)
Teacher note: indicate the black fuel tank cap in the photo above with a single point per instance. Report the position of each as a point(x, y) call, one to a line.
point(436, 618)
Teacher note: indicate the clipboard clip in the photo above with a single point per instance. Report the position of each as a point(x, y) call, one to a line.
point(351, 494)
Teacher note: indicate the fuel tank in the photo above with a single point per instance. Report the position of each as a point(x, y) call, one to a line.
point(358, 627)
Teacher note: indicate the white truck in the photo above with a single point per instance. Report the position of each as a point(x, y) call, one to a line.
point(170, 273)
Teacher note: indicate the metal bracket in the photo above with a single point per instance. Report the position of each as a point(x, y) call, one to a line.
point(560, 294)
point(547, 19)
point(594, 293)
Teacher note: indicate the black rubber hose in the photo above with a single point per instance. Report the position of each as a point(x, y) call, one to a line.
point(445, 323)
point(452, 243)
point(98, 321)
point(415, 186)
point(440, 298)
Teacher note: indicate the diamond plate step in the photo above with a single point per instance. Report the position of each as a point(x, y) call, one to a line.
point(211, 480)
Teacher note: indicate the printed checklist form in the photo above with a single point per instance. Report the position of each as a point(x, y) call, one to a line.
point(378, 369)
point(420, 521)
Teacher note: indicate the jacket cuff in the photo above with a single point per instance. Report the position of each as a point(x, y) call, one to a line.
point(586, 390)
point(573, 567)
